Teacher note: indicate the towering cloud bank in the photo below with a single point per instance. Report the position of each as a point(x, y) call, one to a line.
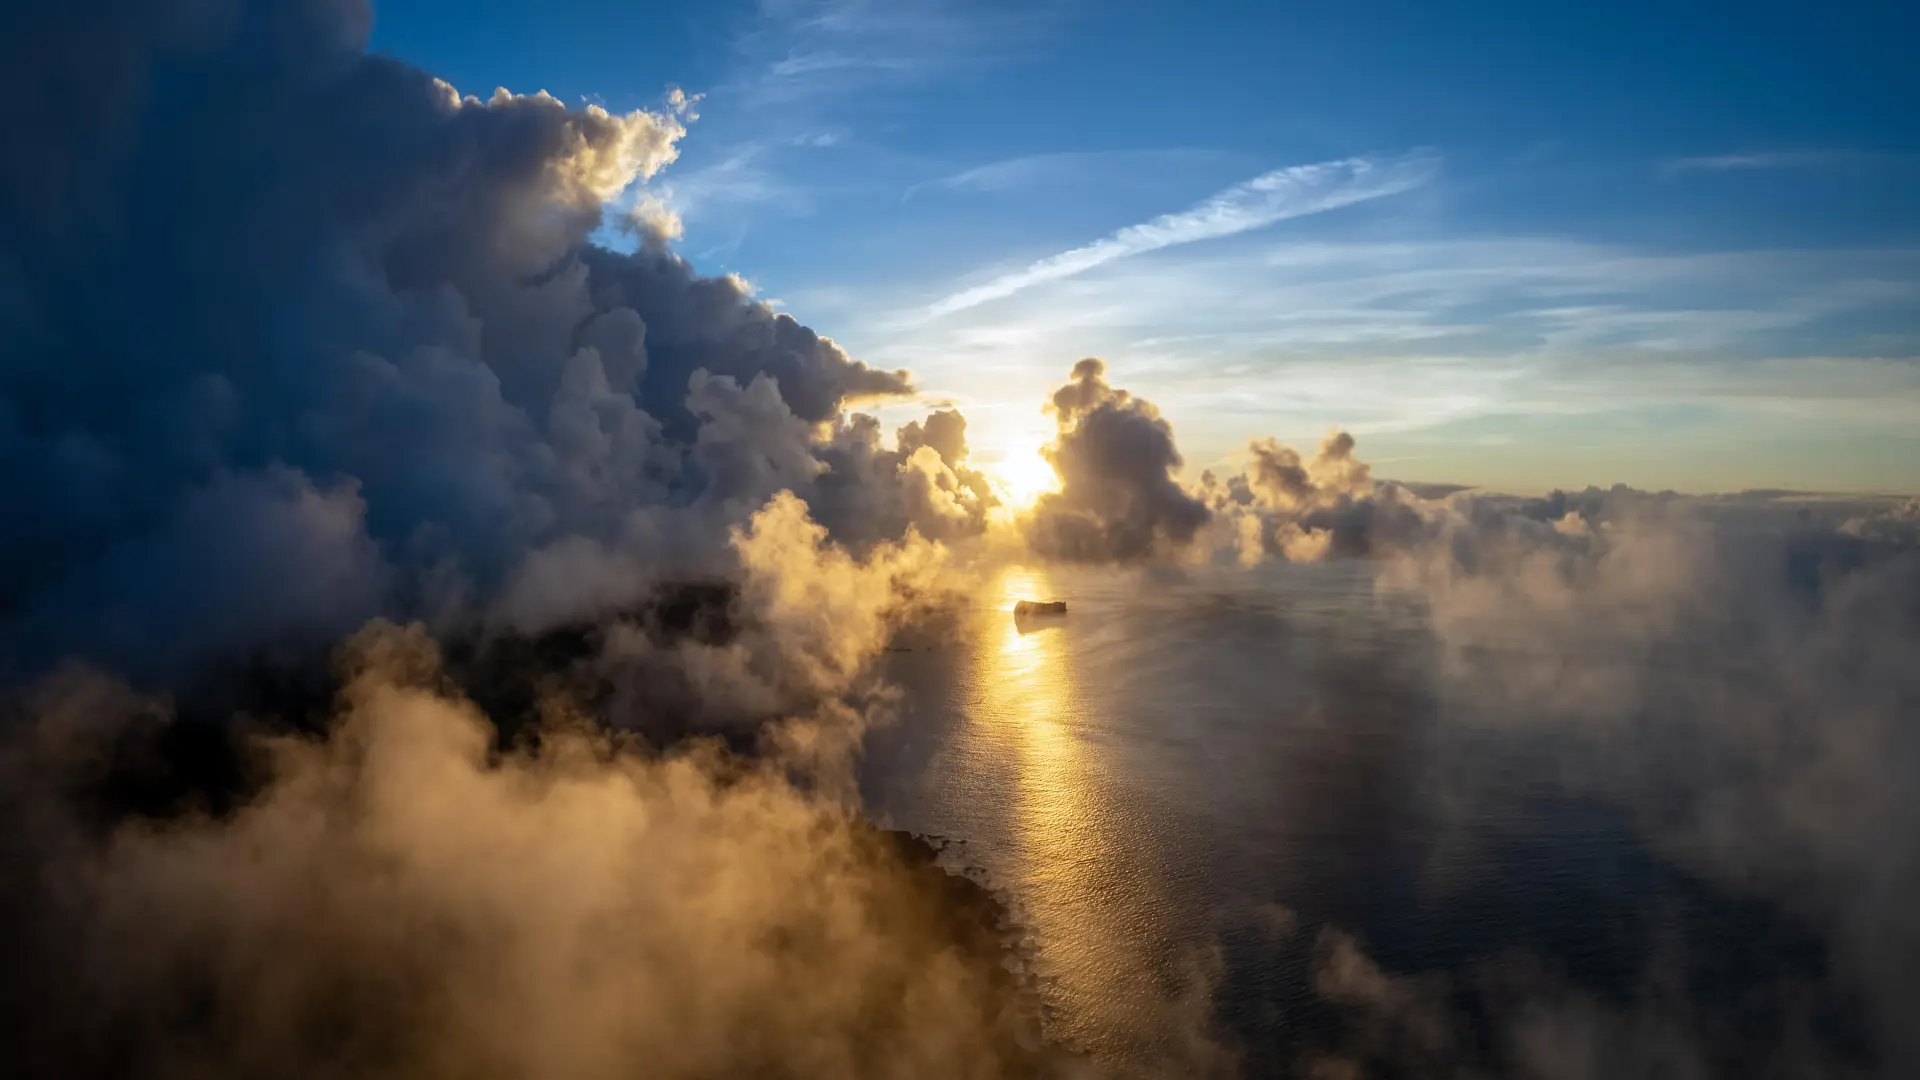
point(292, 338)
point(870, 492)
point(1118, 498)
point(294, 335)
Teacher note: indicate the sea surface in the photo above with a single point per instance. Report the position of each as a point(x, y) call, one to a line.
point(1187, 781)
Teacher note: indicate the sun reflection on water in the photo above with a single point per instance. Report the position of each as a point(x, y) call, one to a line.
point(1029, 684)
point(1068, 843)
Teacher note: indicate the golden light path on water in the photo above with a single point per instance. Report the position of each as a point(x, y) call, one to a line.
point(1072, 838)
point(1029, 688)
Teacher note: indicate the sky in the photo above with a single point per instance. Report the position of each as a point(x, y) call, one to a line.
point(1512, 245)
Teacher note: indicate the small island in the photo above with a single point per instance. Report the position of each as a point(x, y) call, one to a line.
point(1040, 607)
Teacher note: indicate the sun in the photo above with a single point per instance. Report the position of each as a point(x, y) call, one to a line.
point(1023, 475)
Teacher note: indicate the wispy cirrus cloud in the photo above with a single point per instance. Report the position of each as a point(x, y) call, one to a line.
point(798, 65)
point(1763, 161)
point(1295, 191)
point(809, 75)
point(741, 179)
point(1033, 170)
point(1413, 333)
point(808, 50)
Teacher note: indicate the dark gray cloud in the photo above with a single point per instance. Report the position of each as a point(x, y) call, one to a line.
point(294, 337)
point(1119, 500)
point(241, 257)
point(872, 492)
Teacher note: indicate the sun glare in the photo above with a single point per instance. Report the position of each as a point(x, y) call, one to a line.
point(1022, 475)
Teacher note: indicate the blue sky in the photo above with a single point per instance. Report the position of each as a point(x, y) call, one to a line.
point(1521, 245)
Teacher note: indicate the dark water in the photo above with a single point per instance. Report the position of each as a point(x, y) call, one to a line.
point(1183, 781)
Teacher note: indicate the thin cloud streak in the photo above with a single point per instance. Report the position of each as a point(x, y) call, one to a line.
point(1775, 160)
point(1417, 333)
point(813, 51)
point(1063, 167)
point(1726, 162)
point(1295, 191)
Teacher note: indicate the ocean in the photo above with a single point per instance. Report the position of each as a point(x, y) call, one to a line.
point(1193, 787)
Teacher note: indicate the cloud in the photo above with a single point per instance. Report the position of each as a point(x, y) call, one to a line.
point(1897, 524)
point(1538, 1026)
point(872, 492)
point(1778, 159)
point(1418, 334)
point(1726, 162)
point(1272, 197)
point(1728, 673)
point(798, 64)
point(1765, 751)
point(742, 179)
point(574, 799)
point(1118, 499)
point(299, 339)
point(1493, 297)
point(387, 353)
point(1039, 169)
point(797, 53)
point(404, 897)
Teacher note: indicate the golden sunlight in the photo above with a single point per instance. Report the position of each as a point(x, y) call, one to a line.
point(1069, 839)
point(1022, 475)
